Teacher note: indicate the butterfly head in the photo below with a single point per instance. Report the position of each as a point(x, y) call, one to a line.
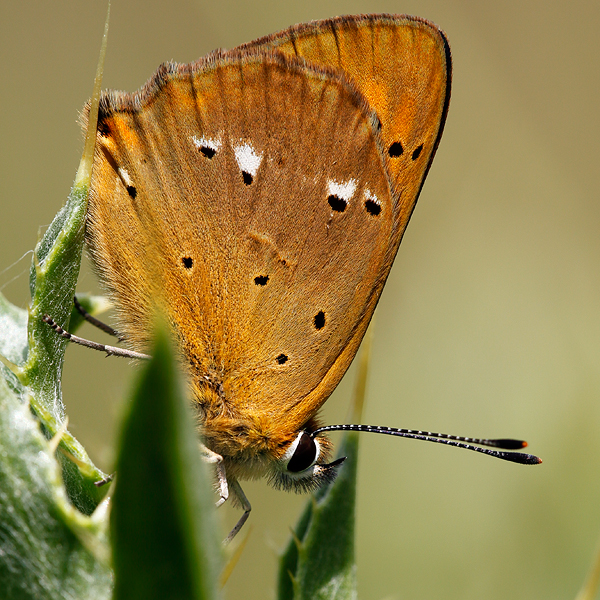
point(304, 466)
point(292, 460)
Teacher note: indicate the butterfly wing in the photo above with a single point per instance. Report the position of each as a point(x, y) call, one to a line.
point(258, 201)
point(403, 67)
point(246, 198)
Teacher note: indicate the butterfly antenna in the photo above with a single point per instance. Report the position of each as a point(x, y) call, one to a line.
point(450, 440)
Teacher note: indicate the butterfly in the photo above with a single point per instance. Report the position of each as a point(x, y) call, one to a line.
point(257, 198)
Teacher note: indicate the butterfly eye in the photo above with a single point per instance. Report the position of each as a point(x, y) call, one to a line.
point(304, 454)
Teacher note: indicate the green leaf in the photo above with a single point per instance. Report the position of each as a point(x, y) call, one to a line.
point(165, 543)
point(48, 549)
point(13, 341)
point(79, 472)
point(53, 278)
point(318, 563)
point(52, 281)
point(13, 324)
point(37, 352)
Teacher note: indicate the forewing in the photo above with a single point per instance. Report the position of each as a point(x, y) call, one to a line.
point(402, 65)
point(246, 197)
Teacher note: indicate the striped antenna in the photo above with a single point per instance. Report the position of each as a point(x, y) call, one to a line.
point(451, 440)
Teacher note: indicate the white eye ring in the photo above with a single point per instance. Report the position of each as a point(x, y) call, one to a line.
point(289, 454)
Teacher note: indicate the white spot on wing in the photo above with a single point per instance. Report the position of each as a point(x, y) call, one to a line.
point(344, 190)
point(371, 196)
point(247, 159)
point(202, 142)
point(125, 178)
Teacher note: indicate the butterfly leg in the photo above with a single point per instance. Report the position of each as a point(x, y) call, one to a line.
point(225, 487)
point(96, 322)
point(110, 350)
point(216, 459)
point(239, 493)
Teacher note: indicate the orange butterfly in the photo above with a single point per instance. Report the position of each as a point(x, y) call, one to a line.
point(257, 198)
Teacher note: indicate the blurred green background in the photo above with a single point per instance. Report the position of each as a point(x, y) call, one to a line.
point(489, 323)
